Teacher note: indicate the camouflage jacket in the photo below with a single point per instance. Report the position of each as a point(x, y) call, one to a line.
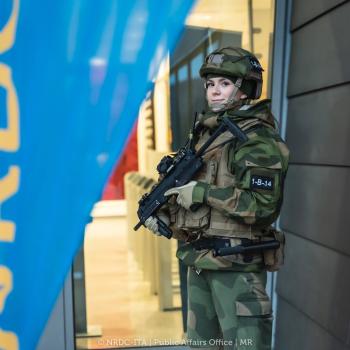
point(240, 186)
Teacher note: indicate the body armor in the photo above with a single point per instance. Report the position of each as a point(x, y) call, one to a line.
point(210, 221)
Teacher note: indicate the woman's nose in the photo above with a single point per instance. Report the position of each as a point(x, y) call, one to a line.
point(216, 89)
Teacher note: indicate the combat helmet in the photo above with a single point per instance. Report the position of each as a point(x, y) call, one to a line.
point(237, 63)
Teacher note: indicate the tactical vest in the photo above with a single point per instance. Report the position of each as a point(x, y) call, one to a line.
point(207, 220)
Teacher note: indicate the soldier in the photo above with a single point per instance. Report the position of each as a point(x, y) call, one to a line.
point(233, 200)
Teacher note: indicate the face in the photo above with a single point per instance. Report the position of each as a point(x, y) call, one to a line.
point(219, 91)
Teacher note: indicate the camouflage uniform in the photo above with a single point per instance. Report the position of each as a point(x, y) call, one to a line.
point(239, 192)
point(228, 304)
point(228, 310)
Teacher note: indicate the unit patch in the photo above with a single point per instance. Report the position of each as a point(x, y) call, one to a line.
point(262, 182)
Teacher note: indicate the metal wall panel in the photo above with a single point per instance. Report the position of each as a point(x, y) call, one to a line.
point(314, 285)
point(59, 330)
point(295, 331)
point(314, 8)
point(53, 335)
point(316, 205)
point(316, 280)
point(320, 52)
point(319, 127)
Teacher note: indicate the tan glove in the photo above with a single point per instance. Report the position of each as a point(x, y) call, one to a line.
point(189, 196)
point(184, 194)
point(152, 222)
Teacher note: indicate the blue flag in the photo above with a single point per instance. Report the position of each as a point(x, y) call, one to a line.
point(72, 76)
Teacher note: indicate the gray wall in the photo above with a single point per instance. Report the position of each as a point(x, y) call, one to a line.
point(313, 288)
point(59, 330)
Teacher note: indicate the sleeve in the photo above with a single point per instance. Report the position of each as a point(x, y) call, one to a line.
point(259, 167)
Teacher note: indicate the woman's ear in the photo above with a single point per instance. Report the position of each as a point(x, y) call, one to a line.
point(243, 97)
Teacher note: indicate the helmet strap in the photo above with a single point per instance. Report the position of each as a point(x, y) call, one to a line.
point(237, 85)
point(231, 101)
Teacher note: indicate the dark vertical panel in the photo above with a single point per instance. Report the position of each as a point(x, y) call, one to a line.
point(316, 205)
point(303, 14)
point(313, 287)
point(296, 331)
point(319, 127)
point(316, 280)
point(320, 53)
point(79, 293)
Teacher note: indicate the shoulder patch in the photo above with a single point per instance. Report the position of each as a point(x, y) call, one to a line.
point(262, 182)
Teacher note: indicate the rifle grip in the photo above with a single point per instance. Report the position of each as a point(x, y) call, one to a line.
point(163, 229)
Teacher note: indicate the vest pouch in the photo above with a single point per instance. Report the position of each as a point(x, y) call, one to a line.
point(197, 220)
point(274, 258)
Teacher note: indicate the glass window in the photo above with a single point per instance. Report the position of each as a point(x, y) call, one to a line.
point(183, 74)
point(250, 20)
point(195, 65)
point(197, 91)
point(183, 102)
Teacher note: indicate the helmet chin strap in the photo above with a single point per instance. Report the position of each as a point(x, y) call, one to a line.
point(237, 86)
point(231, 100)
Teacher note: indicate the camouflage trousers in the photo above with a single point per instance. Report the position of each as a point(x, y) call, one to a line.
point(228, 310)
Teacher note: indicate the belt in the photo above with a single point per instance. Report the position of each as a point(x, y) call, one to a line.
point(211, 243)
point(223, 246)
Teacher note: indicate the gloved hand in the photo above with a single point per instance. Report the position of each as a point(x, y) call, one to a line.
point(152, 222)
point(189, 196)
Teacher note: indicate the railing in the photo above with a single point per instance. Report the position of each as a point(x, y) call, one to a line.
point(154, 255)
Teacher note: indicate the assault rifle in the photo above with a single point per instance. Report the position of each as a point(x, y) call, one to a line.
point(178, 171)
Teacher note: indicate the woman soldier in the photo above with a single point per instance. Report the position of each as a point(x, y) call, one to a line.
point(237, 195)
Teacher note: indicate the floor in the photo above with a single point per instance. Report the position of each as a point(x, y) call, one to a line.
point(119, 301)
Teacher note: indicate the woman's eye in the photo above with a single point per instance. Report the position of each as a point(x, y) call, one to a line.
point(226, 83)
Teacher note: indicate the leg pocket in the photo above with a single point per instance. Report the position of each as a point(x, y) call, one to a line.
point(254, 324)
